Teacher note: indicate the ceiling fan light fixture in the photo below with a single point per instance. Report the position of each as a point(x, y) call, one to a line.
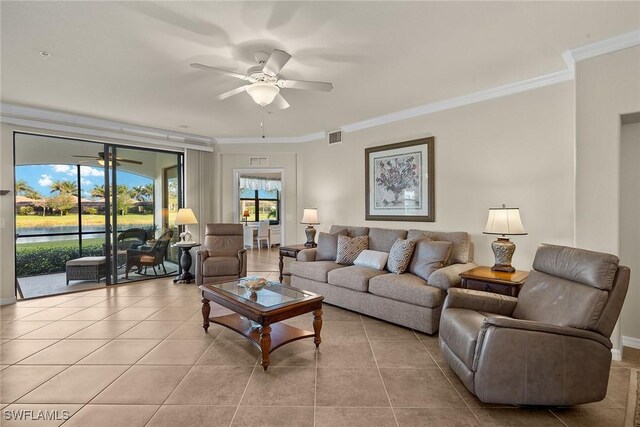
point(263, 93)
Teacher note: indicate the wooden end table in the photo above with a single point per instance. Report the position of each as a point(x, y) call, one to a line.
point(499, 282)
point(256, 314)
point(290, 251)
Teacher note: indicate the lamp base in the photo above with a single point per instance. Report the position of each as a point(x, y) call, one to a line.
point(310, 232)
point(503, 250)
point(186, 236)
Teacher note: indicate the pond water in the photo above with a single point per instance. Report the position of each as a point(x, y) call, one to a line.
point(25, 234)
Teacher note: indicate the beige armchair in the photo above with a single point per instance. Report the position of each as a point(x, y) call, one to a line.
point(549, 346)
point(223, 256)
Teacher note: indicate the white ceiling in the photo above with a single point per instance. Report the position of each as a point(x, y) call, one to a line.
point(129, 61)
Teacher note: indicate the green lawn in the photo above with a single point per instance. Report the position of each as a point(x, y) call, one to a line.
point(29, 221)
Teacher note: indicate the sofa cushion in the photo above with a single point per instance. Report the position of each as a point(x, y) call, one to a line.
point(406, 288)
point(327, 248)
point(316, 270)
point(428, 256)
point(349, 248)
point(400, 255)
point(381, 239)
point(460, 243)
point(460, 328)
point(221, 266)
point(351, 231)
point(353, 277)
point(372, 259)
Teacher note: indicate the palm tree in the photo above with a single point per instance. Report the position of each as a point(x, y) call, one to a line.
point(136, 193)
point(148, 190)
point(22, 187)
point(64, 187)
point(32, 194)
point(97, 192)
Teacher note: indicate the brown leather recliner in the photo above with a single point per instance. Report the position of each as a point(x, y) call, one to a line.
point(223, 257)
point(549, 346)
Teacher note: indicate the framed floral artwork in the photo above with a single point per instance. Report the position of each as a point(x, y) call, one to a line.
point(399, 181)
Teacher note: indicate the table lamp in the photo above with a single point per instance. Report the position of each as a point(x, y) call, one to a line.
point(506, 222)
point(185, 217)
point(245, 216)
point(310, 217)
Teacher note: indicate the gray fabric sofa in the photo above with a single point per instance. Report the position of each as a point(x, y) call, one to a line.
point(404, 299)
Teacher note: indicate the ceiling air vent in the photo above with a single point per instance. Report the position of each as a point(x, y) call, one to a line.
point(335, 137)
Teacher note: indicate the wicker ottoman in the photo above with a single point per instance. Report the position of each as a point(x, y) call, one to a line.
point(86, 268)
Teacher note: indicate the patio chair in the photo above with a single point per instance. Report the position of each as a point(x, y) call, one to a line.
point(132, 238)
point(151, 257)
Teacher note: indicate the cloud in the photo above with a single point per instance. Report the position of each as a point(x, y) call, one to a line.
point(86, 182)
point(63, 169)
point(45, 181)
point(89, 171)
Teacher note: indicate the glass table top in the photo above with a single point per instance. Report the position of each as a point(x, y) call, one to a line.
point(274, 293)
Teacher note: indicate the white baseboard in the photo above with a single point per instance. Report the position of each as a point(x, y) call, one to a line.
point(7, 301)
point(616, 354)
point(631, 342)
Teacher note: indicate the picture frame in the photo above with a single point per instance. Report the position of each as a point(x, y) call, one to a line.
point(399, 181)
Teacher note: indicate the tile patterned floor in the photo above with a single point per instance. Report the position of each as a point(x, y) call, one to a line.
point(136, 355)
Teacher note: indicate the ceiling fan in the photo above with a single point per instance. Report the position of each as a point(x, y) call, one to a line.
point(100, 159)
point(264, 84)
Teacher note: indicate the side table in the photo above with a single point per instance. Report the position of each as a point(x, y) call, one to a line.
point(185, 261)
point(499, 282)
point(290, 251)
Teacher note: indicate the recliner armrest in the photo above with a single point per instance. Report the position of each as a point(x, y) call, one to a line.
point(307, 255)
point(201, 255)
point(480, 301)
point(529, 325)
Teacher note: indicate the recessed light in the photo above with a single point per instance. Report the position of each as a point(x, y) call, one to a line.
point(45, 54)
point(184, 126)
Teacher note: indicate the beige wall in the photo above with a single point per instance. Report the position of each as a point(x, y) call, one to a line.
point(606, 87)
point(630, 226)
point(517, 150)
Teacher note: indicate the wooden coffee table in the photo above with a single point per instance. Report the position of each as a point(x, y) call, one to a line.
point(265, 308)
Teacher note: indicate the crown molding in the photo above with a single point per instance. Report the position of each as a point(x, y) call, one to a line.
point(603, 47)
point(496, 92)
point(100, 128)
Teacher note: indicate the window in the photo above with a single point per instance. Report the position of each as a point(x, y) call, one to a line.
point(260, 204)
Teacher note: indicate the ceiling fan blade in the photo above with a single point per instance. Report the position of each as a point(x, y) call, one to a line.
point(232, 92)
point(219, 70)
point(135, 162)
point(85, 157)
point(301, 84)
point(276, 61)
point(279, 102)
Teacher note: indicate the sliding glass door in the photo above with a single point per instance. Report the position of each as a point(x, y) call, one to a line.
point(90, 214)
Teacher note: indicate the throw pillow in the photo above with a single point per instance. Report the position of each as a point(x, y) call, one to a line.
point(349, 248)
point(327, 249)
point(372, 259)
point(400, 255)
point(429, 256)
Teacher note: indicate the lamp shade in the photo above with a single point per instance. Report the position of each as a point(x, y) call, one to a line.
point(505, 221)
point(310, 216)
point(245, 214)
point(185, 216)
point(262, 92)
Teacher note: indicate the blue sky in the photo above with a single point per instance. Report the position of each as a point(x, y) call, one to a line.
point(40, 177)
